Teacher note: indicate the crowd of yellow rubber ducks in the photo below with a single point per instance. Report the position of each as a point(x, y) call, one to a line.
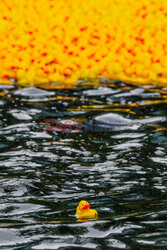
point(46, 41)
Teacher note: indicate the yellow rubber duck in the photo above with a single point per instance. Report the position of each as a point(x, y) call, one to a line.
point(84, 212)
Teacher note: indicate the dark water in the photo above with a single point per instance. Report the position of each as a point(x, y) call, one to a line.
point(119, 166)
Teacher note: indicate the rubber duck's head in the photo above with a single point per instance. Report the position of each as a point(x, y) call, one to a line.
point(83, 205)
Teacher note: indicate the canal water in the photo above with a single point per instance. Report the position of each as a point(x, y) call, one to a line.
point(104, 142)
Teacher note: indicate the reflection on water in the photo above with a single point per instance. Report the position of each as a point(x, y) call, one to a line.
point(121, 172)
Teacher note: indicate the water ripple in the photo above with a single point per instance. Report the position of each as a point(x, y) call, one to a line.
point(121, 171)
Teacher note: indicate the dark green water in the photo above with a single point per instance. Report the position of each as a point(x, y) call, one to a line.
point(122, 171)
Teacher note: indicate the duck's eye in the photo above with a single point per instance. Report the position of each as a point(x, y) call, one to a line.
point(82, 205)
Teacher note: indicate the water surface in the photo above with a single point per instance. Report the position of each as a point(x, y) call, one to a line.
point(120, 168)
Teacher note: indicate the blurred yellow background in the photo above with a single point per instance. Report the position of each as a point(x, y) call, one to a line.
point(46, 41)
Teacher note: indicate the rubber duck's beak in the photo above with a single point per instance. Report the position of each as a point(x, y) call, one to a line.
point(86, 207)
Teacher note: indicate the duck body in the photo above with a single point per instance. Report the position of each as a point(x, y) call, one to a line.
point(84, 212)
